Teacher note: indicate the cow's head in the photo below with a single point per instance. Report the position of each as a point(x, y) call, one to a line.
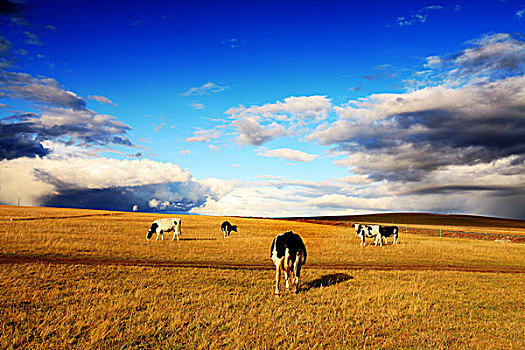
point(234, 228)
point(356, 227)
point(152, 230)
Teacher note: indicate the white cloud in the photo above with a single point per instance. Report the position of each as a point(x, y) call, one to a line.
point(205, 135)
point(257, 125)
point(197, 106)
point(102, 99)
point(206, 89)
point(289, 154)
point(302, 107)
point(41, 90)
point(251, 132)
point(419, 17)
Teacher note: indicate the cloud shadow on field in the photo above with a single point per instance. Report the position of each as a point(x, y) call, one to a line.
point(327, 280)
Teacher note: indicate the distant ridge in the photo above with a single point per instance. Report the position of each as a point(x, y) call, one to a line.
point(420, 219)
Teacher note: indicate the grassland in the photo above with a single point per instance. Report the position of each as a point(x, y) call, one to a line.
point(110, 288)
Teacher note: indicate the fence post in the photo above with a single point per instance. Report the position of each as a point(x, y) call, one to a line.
point(440, 232)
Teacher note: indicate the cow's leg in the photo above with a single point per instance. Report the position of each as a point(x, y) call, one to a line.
point(286, 279)
point(292, 280)
point(297, 272)
point(158, 234)
point(277, 276)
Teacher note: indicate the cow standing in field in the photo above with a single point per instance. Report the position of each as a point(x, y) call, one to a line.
point(387, 231)
point(288, 253)
point(227, 228)
point(367, 231)
point(160, 226)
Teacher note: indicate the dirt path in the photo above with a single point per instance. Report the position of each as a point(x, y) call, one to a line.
point(234, 266)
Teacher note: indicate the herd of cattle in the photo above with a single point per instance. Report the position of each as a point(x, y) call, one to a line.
point(288, 251)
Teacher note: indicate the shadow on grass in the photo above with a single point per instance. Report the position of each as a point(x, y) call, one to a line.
point(327, 280)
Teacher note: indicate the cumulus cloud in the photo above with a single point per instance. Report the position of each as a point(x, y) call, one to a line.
point(206, 89)
point(251, 132)
point(100, 183)
point(290, 154)
point(462, 138)
point(301, 107)
point(257, 125)
point(203, 135)
point(276, 197)
point(467, 125)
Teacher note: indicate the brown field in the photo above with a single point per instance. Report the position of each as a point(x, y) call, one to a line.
point(89, 279)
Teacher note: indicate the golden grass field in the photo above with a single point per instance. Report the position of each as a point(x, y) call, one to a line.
point(89, 279)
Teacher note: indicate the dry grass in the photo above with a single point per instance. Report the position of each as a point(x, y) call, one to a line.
point(58, 306)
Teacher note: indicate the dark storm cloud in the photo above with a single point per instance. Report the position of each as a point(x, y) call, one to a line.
point(494, 135)
point(15, 142)
point(475, 116)
point(175, 196)
point(499, 191)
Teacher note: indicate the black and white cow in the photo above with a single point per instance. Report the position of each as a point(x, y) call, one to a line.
point(387, 231)
point(160, 226)
point(288, 253)
point(367, 231)
point(227, 228)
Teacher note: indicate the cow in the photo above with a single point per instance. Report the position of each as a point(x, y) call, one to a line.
point(387, 231)
point(160, 226)
point(227, 228)
point(288, 253)
point(368, 231)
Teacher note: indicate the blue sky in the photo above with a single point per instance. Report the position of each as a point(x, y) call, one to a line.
point(264, 108)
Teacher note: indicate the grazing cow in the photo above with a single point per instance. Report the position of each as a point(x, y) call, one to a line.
point(288, 253)
point(368, 231)
point(160, 226)
point(227, 228)
point(387, 231)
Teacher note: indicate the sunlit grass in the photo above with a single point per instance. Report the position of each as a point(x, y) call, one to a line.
point(46, 306)
point(59, 306)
